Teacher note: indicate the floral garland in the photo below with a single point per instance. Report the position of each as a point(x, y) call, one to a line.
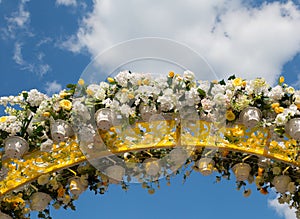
point(36, 122)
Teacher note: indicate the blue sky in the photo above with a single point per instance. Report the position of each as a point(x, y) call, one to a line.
point(47, 44)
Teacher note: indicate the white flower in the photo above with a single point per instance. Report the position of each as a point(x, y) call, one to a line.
point(281, 119)
point(81, 110)
point(122, 78)
point(35, 98)
point(207, 104)
point(204, 85)
point(12, 125)
point(107, 103)
point(276, 93)
point(104, 85)
point(219, 99)
point(257, 86)
point(126, 110)
point(290, 90)
point(188, 75)
point(217, 89)
point(160, 83)
point(96, 91)
point(192, 97)
point(241, 102)
point(122, 96)
point(167, 100)
point(297, 98)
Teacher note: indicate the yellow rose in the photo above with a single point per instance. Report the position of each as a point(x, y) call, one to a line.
point(110, 80)
point(66, 104)
point(89, 92)
point(237, 82)
point(171, 74)
point(230, 116)
point(279, 109)
point(3, 119)
point(281, 79)
point(274, 105)
point(81, 82)
point(46, 114)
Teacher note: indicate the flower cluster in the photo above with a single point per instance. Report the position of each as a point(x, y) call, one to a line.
point(36, 123)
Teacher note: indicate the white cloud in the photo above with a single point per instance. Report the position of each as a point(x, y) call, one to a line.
point(282, 210)
point(234, 37)
point(66, 2)
point(39, 68)
point(21, 17)
point(17, 21)
point(53, 87)
point(17, 57)
point(296, 83)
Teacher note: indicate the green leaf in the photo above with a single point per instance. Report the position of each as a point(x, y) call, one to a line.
point(201, 92)
point(232, 77)
point(25, 95)
point(222, 82)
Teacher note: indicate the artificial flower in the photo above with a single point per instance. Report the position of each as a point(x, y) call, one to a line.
point(66, 104)
point(230, 116)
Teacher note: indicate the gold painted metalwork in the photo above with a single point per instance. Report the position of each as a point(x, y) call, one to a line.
point(153, 135)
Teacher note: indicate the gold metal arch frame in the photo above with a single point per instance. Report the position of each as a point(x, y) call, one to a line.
point(47, 163)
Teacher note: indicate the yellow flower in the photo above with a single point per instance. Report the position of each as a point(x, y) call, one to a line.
point(258, 181)
point(46, 114)
point(66, 104)
point(81, 82)
point(230, 115)
point(281, 79)
point(247, 193)
point(43, 179)
point(110, 80)
point(263, 191)
point(279, 109)
point(89, 92)
point(237, 82)
point(274, 105)
point(3, 119)
point(151, 191)
point(66, 199)
point(130, 96)
point(60, 192)
point(63, 94)
point(244, 83)
point(260, 171)
point(171, 74)
point(146, 81)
